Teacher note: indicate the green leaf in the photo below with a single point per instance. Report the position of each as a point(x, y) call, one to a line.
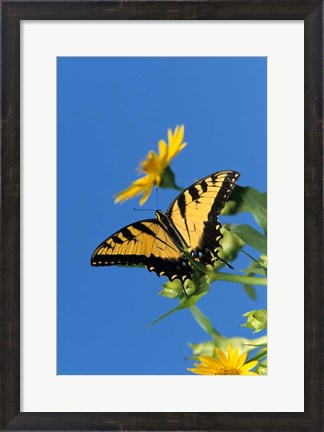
point(256, 270)
point(261, 354)
point(168, 179)
point(184, 304)
point(250, 290)
point(256, 202)
point(164, 316)
point(204, 322)
point(247, 199)
point(250, 236)
point(235, 204)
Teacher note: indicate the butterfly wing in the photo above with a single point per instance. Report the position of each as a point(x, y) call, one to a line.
point(145, 243)
point(194, 213)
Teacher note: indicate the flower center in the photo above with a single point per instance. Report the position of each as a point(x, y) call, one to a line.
point(228, 371)
point(151, 165)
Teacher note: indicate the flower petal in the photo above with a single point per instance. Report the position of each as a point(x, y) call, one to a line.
point(201, 371)
point(163, 150)
point(222, 357)
point(234, 358)
point(249, 366)
point(179, 134)
point(144, 198)
point(128, 193)
point(175, 141)
point(170, 135)
point(143, 181)
point(207, 360)
point(140, 186)
point(241, 360)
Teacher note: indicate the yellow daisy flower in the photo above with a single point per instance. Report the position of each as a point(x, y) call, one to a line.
point(156, 168)
point(232, 364)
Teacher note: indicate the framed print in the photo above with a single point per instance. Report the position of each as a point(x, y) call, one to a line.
point(213, 106)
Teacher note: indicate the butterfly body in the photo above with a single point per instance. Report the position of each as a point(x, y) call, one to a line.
point(169, 226)
point(190, 224)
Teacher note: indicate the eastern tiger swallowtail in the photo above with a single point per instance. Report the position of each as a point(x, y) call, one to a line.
point(190, 223)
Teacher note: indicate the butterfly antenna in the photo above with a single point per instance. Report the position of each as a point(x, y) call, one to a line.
point(138, 209)
point(223, 261)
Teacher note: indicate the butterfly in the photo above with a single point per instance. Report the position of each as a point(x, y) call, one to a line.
point(190, 224)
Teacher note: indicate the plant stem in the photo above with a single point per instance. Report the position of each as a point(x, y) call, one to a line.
point(205, 323)
point(251, 280)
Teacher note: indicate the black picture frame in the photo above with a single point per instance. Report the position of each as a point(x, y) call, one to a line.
point(12, 12)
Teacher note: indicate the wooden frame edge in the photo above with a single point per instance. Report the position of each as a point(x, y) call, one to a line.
point(11, 14)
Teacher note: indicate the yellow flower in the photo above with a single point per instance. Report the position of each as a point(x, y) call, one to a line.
point(232, 364)
point(156, 168)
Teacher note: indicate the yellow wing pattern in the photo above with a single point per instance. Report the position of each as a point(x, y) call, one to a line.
point(142, 243)
point(194, 213)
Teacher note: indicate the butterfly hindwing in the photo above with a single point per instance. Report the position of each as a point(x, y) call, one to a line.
point(143, 243)
point(194, 213)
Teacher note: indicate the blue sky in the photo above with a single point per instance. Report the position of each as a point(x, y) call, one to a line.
point(110, 113)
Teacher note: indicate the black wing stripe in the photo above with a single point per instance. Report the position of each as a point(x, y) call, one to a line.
point(204, 186)
point(221, 199)
point(127, 234)
point(142, 227)
point(182, 205)
point(194, 193)
point(117, 239)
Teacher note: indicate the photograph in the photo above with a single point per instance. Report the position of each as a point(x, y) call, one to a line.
point(162, 216)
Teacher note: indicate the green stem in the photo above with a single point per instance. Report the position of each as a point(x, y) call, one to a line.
point(205, 323)
point(259, 357)
point(259, 342)
point(251, 280)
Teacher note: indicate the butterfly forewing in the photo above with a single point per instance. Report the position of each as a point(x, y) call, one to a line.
point(194, 213)
point(142, 243)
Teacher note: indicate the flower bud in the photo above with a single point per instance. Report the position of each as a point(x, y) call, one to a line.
point(262, 368)
point(256, 319)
